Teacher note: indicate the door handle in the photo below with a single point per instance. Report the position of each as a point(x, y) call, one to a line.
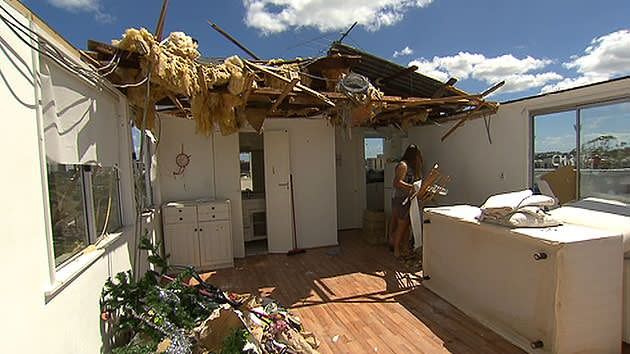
point(283, 184)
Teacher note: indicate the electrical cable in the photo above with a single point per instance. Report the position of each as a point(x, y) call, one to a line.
point(46, 48)
point(132, 84)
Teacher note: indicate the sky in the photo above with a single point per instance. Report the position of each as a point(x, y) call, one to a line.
point(373, 147)
point(537, 46)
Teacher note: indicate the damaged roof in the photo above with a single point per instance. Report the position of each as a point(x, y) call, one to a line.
point(391, 78)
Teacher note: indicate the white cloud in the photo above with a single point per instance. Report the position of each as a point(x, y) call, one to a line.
point(606, 57)
point(516, 72)
point(93, 6)
point(272, 16)
point(404, 52)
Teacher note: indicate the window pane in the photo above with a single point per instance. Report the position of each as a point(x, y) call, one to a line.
point(67, 209)
point(142, 179)
point(555, 148)
point(106, 200)
point(247, 182)
point(605, 152)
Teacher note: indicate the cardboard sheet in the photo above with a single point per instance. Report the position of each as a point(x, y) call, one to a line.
point(415, 212)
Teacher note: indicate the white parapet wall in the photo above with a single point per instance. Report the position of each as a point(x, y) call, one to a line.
point(47, 308)
point(479, 168)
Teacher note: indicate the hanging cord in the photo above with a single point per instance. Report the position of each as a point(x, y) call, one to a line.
point(133, 84)
point(486, 121)
point(46, 48)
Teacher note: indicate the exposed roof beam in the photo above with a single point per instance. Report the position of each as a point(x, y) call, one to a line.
point(233, 40)
point(442, 90)
point(409, 69)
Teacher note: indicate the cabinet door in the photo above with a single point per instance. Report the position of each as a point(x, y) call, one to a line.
point(215, 243)
point(182, 244)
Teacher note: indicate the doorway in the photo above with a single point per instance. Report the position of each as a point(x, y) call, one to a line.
point(374, 173)
point(252, 182)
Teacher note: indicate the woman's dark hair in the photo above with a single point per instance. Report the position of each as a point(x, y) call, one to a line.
point(411, 156)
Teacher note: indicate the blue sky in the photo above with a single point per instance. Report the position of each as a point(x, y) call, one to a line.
point(535, 45)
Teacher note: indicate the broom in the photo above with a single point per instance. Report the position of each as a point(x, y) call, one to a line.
point(295, 250)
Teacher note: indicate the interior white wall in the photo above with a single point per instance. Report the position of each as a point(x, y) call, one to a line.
point(69, 321)
point(197, 180)
point(480, 169)
point(351, 187)
point(312, 145)
point(213, 171)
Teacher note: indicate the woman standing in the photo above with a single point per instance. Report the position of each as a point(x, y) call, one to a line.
point(408, 170)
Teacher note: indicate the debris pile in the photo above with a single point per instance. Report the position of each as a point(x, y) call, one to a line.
point(175, 70)
point(347, 87)
point(186, 315)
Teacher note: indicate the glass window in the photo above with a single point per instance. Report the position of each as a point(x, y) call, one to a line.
point(247, 181)
point(605, 152)
point(140, 168)
point(555, 140)
point(106, 200)
point(67, 209)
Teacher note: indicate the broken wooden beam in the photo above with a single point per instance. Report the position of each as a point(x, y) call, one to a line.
point(442, 90)
point(233, 40)
point(479, 111)
point(285, 92)
point(287, 80)
point(159, 28)
point(492, 89)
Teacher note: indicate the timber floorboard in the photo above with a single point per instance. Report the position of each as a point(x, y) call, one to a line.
point(357, 299)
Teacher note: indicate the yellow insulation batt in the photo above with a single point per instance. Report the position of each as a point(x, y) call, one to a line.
point(174, 69)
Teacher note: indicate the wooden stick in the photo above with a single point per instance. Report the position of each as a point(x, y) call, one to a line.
point(287, 80)
point(233, 40)
point(343, 36)
point(492, 89)
point(159, 29)
point(461, 122)
point(177, 103)
point(284, 94)
point(442, 90)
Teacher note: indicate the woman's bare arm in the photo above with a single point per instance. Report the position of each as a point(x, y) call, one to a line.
point(401, 171)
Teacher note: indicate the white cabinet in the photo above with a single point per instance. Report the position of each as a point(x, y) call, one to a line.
point(198, 233)
point(215, 245)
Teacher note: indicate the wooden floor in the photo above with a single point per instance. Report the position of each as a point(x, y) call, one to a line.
point(356, 300)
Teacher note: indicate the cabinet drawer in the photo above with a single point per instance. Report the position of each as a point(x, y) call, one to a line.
point(210, 212)
point(180, 215)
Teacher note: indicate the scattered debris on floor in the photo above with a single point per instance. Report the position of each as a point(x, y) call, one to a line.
point(186, 315)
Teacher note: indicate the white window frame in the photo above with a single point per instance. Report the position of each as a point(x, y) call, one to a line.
point(577, 108)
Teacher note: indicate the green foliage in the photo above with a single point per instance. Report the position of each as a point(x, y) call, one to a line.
point(154, 254)
point(152, 309)
point(135, 349)
point(235, 342)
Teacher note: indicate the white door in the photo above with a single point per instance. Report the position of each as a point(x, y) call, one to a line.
point(215, 247)
point(182, 244)
point(278, 191)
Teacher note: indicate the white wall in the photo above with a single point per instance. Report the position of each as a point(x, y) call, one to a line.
point(480, 169)
point(34, 319)
point(312, 145)
point(213, 171)
point(197, 180)
point(351, 187)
